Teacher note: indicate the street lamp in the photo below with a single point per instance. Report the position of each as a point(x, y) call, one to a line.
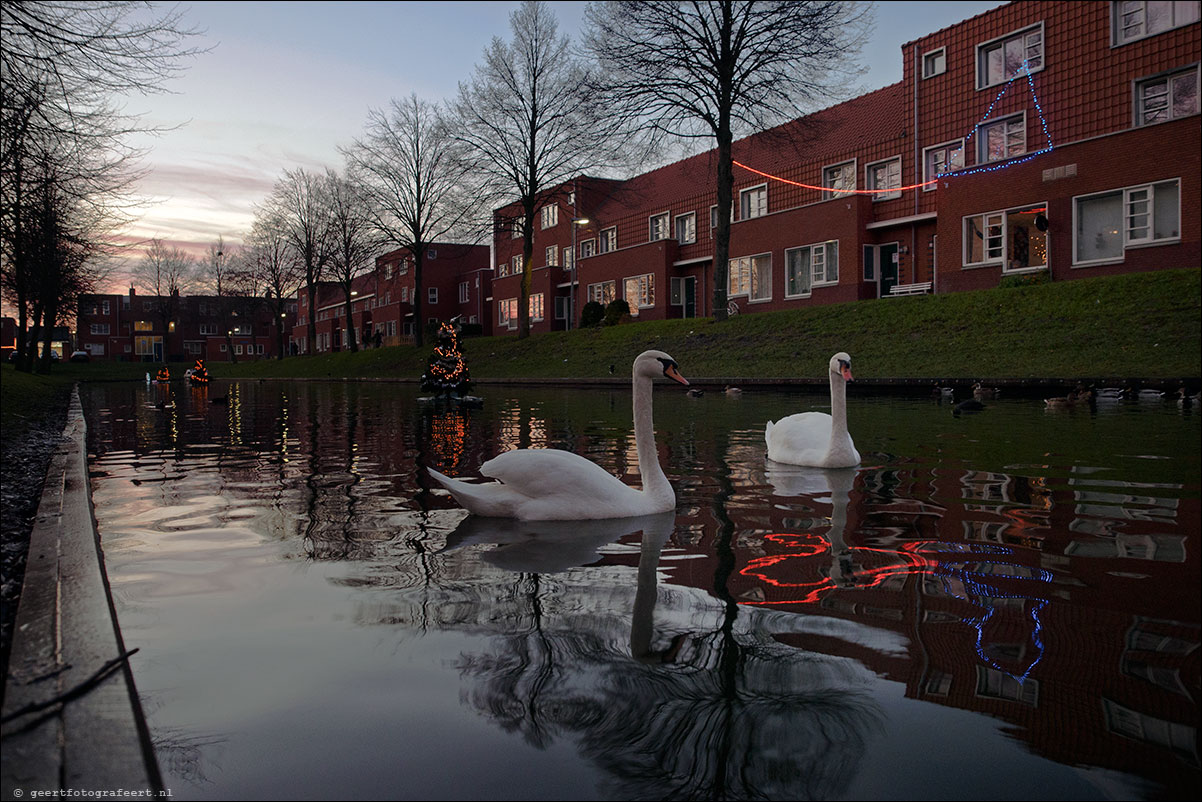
point(576, 221)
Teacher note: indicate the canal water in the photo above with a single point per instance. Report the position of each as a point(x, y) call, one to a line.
point(1002, 605)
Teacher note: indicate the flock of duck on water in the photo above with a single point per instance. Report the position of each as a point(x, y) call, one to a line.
point(552, 484)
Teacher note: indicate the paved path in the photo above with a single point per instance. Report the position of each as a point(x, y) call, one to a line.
point(66, 643)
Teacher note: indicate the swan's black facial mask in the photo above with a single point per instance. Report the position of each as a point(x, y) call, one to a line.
point(845, 369)
point(673, 372)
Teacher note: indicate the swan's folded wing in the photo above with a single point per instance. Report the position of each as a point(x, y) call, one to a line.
point(548, 472)
point(490, 499)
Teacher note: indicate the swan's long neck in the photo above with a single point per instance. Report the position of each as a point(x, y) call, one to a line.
point(655, 483)
point(839, 436)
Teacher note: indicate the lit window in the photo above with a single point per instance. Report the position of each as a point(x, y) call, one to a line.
point(1002, 59)
point(1016, 238)
point(639, 292)
point(602, 292)
point(1136, 20)
point(536, 306)
point(1168, 97)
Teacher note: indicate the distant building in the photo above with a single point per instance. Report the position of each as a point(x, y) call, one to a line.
point(1042, 139)
point(456, 282)
point(220, 329)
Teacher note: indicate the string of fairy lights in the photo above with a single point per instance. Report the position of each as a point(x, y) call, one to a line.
point(1025, 71)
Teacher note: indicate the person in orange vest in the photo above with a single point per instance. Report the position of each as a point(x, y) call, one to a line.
point(163, 374)
point(200, 374)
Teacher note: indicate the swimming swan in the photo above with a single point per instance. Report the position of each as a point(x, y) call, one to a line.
point(816, 438)
point(544, 484)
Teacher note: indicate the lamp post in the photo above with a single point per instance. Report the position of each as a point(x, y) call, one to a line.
point(576, 221)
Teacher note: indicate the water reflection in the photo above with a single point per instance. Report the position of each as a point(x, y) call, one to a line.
point(1033, 572)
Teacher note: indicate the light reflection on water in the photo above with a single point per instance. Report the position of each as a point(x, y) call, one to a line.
point(1002, 605)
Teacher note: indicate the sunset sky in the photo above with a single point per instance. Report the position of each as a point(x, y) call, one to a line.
point(283, 84)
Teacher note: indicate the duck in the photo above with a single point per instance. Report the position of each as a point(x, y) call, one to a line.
point(545, 484)
point(968, 405)
point(816, 439)
point(733, 392)
point(982, 393)
point(695, 392)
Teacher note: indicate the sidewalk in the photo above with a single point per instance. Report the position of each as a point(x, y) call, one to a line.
point(67, 644)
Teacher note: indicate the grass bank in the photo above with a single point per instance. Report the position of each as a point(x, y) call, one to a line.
point(1144, 326)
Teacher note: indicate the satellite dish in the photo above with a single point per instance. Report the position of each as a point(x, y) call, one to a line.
point(1041, 222)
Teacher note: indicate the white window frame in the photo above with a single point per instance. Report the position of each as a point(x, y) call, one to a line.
point(464, 292)
point(516, 232)
point(1019, 124)
point(537, 306)
point(98, 329)
point(1129, 213)
point(603, 292)
point(936, 57)
point(751, 284)
point(844, 169)
point(644, 291)
point(753, 202)
point(208, 328)
point(658, 226)
point(1025, 38)
point(1136, 17)
point(947, 150)
point(588, 248)
point(569, 258)
point(821, 256)
point(870, 182)
point(1170, 81)
point(507, 313)
point(552, 255)
point(561, 307)
point(608, 240)
point(689, 220)
point(992, 226)
point(549, 216)
point(516, 265)
point(432, 295)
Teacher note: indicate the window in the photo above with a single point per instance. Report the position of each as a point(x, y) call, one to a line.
point(105, 306)
point(686, 228)
point(238, 350)
point(568, 261)
point(99, 328)
point(516, 264)
point(1012, 238)
point(549, 216)
point(404, 295)
point(810, 265)
point(432, 295)
point(1002, 59)
point(934, 63)
point(1107, 223)
point(143, 325)
point(536, 306)
point(940, 159)
point(561, 307)
point(753, 202)
point(403, 267)
point(885, 175)
point(507, 313)
point(463, 292)
point(839, 177)
point(1167, 97)
point(658, 227)
point(259, 348)
point(552, 253)
point(750, 276)
point(609, 239)
point(222, 348)
point(588, 248)
point(639, 292)
point(96, 349)
point(1136, 20)
point(603, 292)
point(1002, 139)
point(208, 328)
point(516, 231)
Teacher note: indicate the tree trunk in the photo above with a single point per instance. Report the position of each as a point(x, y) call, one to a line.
point(419, 251)
point(350, 320)
point(311, 328)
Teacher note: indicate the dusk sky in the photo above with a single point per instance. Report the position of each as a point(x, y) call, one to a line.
point(285, 83)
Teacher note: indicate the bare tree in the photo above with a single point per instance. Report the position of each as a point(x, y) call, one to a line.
point(165, 273)
point(529, 125)
point(354, 239)
point(720, 69)
point(275, 269)
point(227, 276)
point(406, 164)
point(299, 209)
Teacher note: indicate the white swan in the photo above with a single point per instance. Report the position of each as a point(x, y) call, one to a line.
point(816, 438)
point(544, 484)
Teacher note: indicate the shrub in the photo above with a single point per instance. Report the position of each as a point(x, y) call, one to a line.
point(617, 311)
point(1028, 280)
point(591, 315)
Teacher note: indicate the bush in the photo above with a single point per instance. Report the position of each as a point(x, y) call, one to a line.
point(617, 311)
point(1027, 280)
point(591, 315)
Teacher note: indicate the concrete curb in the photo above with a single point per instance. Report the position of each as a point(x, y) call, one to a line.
point(95, 741)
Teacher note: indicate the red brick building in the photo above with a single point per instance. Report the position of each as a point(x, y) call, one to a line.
point(1049, 139)
point(456, 282)
point(132, 328)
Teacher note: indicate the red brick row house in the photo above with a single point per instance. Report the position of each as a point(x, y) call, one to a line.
point(137, 328)
point(456, 282)
point(1047, 139)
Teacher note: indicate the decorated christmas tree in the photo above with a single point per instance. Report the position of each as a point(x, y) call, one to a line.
point(446, 372)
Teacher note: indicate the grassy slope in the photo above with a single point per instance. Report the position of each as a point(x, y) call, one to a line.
point(1139, 326)
point(28, 400)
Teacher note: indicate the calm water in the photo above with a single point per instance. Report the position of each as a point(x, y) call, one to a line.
point(997, 606)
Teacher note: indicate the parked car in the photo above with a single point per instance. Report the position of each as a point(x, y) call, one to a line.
point(80, 356)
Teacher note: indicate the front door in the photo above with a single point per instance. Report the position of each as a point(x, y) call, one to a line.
point(688, 296)
point(887, 263)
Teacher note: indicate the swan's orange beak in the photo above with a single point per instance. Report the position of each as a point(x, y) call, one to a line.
point(673, 373)
point(846, 369)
